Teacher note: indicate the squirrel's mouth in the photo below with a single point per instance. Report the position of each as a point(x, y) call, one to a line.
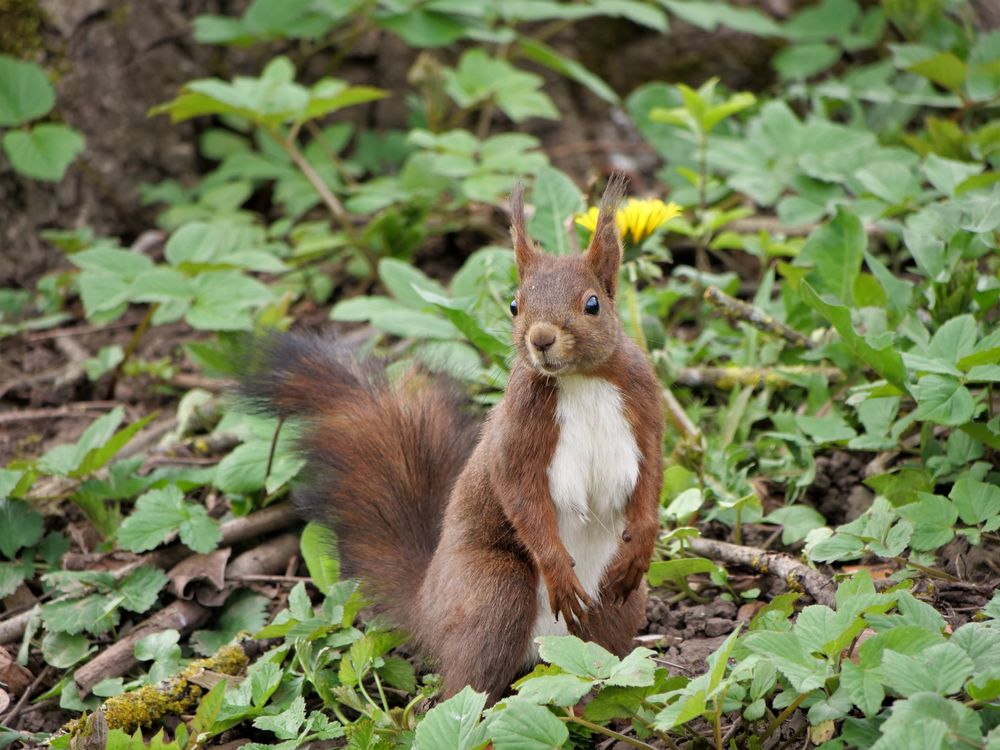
point(548, 368)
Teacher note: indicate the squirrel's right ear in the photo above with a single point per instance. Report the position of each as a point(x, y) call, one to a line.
point(524, 248)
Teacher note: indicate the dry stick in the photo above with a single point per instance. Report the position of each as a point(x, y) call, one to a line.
point(735, 309)
point(182, 615)
point(679, 417)
point(76, 409)
point(796, 574)
point(726, 378)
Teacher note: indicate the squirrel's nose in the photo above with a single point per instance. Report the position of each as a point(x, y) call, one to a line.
point(543, 339)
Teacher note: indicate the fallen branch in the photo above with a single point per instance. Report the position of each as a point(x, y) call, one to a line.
point(798, 575)
point(727, 378)
point(116, 660)
point(176, 695)
point(735, 309)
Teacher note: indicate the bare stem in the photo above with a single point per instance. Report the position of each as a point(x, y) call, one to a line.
point(632, 741)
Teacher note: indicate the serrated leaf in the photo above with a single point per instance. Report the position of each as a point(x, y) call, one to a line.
point(20, 527)
point(556, 199)
point(581, 658)
point(975, 501)
point(885, 360)
point(157, 514)
point(525, 726)
point(140, 588)
point(454, 724)
point(943, 400)
point(199, 531)
point(285, 725)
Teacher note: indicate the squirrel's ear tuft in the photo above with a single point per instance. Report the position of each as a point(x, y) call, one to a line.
point(524, 248)
point(605, 252)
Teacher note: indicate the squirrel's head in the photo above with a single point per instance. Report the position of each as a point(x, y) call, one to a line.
point(564, 310)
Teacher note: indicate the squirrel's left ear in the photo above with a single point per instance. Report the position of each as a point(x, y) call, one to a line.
point(605, 252)
point(524, 248)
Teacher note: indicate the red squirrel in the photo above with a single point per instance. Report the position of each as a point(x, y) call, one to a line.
point(477, 539)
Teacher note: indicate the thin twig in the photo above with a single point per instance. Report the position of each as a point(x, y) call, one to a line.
point(727, 378)
point(77, 409)
point(736, 309)
point(12, 714)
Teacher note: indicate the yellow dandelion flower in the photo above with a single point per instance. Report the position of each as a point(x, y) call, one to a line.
point(638, 218)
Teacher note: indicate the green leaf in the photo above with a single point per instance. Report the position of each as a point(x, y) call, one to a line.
point(285, 725)
point(13, 574)
point(976, 502)
point(944, 69)
point(943, 400)
point(545, 55)
point(635, 670)
point(942, 669)
point(44, 152)
point(62, 650)
point(243, 470)
point(864, 686)
point(835, 252)
point(65, 460)
point(583, 659)
point(99, 455)
point(208, 709)
point(796, 521)
point(454, 724)
point(159, 513)
point(557, 689)
point(525, 726)
point(678, 570)
point(480, 78)
point(424, 28)
point(469, 326)
point(199, 531)
point(95, 614)
point(801, 61)
point(20, 526)
point(886, 361)
point(406, 282)
point(319, 550)
point(244, 611)
point(557, 200)
point(933, 518)
point(140, 588)
point(25, 92)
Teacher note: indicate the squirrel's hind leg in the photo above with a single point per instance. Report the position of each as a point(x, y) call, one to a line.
point(484, 627)
point(615, 625)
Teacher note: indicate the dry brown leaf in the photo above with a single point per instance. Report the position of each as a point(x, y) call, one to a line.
point(198, 569)
point(13, 676)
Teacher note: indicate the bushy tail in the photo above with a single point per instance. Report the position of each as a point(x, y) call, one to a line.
point(382, 457)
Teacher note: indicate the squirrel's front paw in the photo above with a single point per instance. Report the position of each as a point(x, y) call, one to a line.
point(626, 573)
point(568, 598)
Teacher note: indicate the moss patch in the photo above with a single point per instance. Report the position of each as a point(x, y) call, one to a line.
point(20, 21)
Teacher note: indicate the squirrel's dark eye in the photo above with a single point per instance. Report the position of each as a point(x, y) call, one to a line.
point(513, 307)
point(592, 306)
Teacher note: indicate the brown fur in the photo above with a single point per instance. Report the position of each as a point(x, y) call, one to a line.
point(454, 549)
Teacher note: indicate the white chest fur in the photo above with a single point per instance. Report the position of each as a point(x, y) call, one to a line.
point(592, 473)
